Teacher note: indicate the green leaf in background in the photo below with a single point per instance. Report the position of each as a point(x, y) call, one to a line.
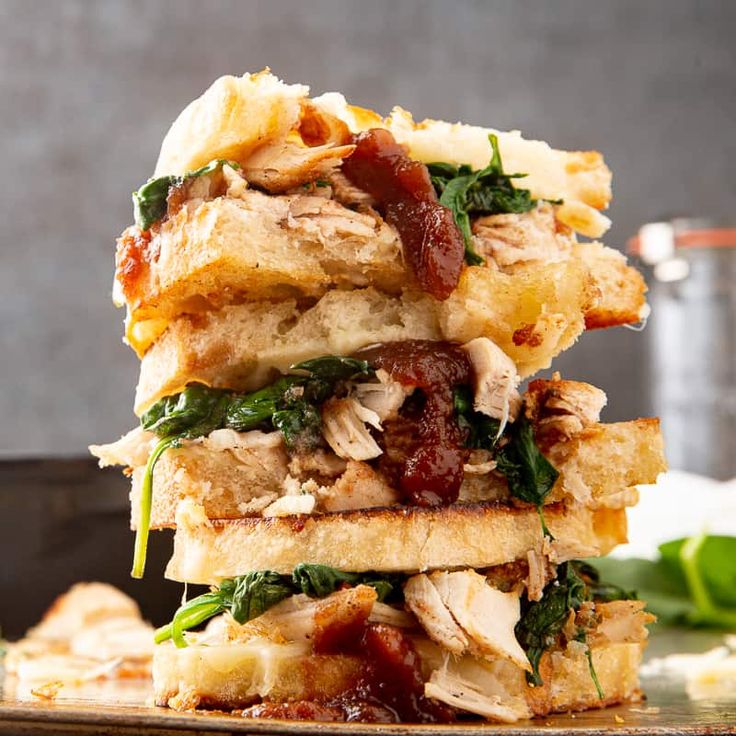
point(693, 583)
point(716, 561)
point(150, 201)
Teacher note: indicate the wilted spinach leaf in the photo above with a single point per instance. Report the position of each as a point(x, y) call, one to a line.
point(542, 621)
point(248, 596)
point(488, 191)
point(529, 474)
point(150, 201)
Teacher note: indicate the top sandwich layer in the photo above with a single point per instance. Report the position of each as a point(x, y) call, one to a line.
point(302, 196)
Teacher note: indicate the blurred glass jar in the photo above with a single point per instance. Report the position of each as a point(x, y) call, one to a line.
point(690, 267)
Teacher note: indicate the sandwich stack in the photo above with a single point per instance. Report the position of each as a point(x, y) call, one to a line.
point(334, 313)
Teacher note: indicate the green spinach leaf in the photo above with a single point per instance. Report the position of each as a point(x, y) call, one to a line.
point(692, 583)
point(248, 596)
point(542, 621)
point(482, 431)
point(318, 581)
point(488, 191)
point(254, 593)
point(529, 474)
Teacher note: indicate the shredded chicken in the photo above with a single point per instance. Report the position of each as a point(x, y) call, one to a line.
point(480, 462)
point(280, 167)
point(563, 408)
point(496, 381)
point(346, 193)
point(323, 220)
point(131, 450)
point(517, 238)
point(478, 686)
point(288, 505)
point(541, 572)
point(384, 397)
point(360, 487)
point(621, 621)
point(345, 431)
point(467, 614)
point(423, 599)
point(382, 613)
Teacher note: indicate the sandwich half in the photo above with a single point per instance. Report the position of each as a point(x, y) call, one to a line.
point(283, 213)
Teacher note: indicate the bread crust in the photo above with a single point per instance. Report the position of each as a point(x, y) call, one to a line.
point(387, 540)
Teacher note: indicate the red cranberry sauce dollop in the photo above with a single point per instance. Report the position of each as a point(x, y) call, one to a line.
point(432, 465)
point(433, 245)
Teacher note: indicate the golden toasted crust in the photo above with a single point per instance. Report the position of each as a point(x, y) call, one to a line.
point(600, 467)
point(621, 288)
point(386, 540)
point(231, 676)
point(533, 313)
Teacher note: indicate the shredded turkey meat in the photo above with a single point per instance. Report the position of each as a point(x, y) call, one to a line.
point(462, 612)
point(384, 396)
point(517, 238)
point(344, 426)
point(496, 381)
point(281, 167)
point(562, 409)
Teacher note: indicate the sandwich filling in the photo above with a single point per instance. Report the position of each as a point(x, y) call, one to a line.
point(408, 648)
point(424, 421)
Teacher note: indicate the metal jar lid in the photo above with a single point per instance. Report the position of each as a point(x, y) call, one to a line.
point(662, 245)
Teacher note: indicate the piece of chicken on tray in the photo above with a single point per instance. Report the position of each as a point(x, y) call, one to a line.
point(335, 313)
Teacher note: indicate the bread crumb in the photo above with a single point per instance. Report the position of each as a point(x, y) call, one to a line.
point(48, 691)
point(618, 718)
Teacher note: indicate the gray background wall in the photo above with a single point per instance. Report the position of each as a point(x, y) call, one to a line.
point(88, 89)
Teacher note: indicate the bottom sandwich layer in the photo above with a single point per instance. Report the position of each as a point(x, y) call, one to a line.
point(320, 644)
point(285, 680)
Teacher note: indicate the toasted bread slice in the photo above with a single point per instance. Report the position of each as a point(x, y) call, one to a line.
point(233, 475)
point(231, 676)
point(256, 246)
point(532, 315)
point(386, 540)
